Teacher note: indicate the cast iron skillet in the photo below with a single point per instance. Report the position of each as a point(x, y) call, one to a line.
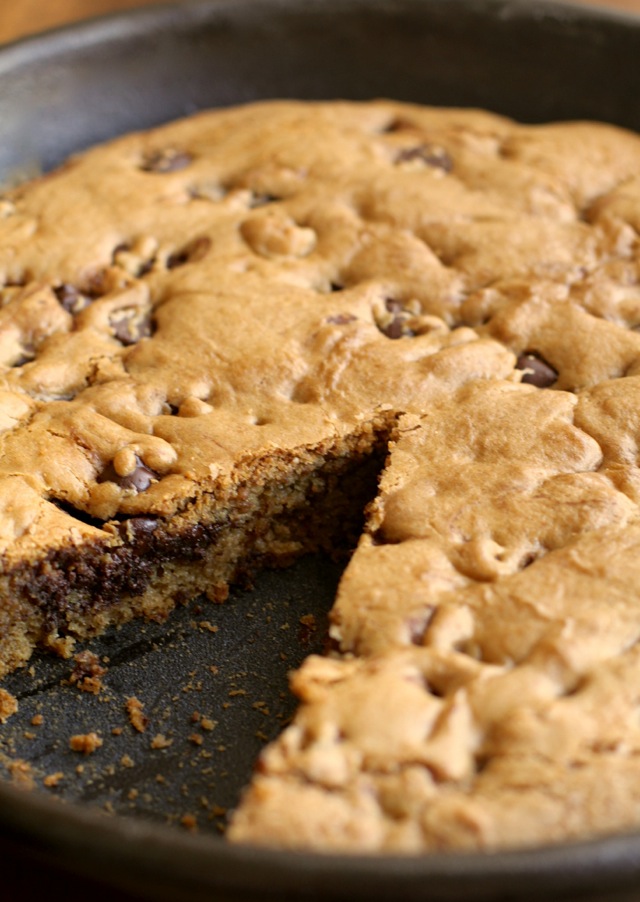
point(213, 679)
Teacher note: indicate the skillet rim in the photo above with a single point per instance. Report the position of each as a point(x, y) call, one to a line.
point(66, 833)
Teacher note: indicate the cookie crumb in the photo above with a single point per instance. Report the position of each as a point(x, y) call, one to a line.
point(208, 626)
point(8, 705)
point(189, 822)
point(86, 743)
point(88, 672)
point(51, 781)
point(137, 719)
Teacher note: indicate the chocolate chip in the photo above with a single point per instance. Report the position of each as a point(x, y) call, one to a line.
point(536, 370)
point(430, 155)
point(138, 530)
point(179, 258)
point(130, 326)
point(139, 479)
point(192, 253)
point(71, 299)
point(168, 160)
point(395, 327)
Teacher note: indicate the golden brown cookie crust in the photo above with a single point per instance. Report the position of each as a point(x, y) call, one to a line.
point(208, 333)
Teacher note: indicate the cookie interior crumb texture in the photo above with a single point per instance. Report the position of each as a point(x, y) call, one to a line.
point(223, 340)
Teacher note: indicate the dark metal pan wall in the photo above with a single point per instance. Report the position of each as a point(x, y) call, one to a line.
point(213, 679)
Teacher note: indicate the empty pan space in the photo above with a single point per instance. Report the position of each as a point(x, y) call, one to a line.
point(165, 721)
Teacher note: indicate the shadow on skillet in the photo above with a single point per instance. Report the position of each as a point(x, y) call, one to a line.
point(531, 59)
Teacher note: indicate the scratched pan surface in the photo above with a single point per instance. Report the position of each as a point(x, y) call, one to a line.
point(145, 813)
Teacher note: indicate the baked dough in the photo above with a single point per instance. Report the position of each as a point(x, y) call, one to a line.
point(213, 333)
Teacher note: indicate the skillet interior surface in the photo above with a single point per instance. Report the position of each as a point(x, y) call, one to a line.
point(213, 680)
